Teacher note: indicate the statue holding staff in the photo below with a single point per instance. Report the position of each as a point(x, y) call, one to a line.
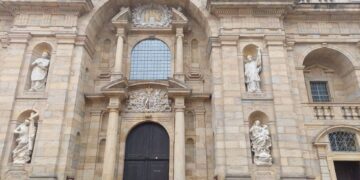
point(253, 67)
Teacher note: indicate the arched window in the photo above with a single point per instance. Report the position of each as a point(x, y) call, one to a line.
point(342, 141)
point(150, 60)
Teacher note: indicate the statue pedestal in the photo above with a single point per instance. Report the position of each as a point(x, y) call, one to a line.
point(16, 171)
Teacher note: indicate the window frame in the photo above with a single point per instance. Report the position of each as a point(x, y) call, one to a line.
point(171, 59)
point(342, 131)
point(327, 83)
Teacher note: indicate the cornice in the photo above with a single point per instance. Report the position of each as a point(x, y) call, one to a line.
point(259, 7)
point(79, 6)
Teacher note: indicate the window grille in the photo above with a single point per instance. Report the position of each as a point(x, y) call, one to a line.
point(150, 60)
point(319, 91)
point(343, 141)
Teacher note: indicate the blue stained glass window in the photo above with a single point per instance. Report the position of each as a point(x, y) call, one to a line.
point(150, 60)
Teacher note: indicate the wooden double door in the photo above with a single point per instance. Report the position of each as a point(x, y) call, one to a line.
point(147, 153)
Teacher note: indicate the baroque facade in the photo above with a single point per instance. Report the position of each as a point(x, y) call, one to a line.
point(180, 89)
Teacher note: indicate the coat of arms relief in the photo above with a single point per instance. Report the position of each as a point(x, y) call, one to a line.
point(148, 100)
point(152, 15)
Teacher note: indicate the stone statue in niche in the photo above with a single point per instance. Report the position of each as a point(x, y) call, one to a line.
point(148, 100)
point(39, 72)
point(25, 133)
point(253, 67)
point(260, 143)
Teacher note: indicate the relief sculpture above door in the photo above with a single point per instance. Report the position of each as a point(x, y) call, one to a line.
point(148, 100)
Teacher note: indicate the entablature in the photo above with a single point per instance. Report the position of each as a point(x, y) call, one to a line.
point(80, 6)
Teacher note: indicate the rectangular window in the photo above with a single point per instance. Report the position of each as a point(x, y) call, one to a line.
point(319, 91)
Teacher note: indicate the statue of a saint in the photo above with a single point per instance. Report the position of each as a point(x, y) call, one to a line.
point(25, 133)
point(39, 72)
point(252, 72)
point(260, 143)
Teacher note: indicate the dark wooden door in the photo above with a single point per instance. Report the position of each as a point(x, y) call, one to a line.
point(347, 170)
point(147, 153)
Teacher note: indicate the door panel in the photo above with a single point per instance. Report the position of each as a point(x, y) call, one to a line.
point(147, 153)
point(158, 170)
point(347, 170)
point(135, 170)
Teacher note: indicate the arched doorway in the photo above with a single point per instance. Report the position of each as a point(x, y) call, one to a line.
point(147, 153)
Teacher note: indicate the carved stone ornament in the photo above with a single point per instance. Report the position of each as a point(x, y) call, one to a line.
point(148, 100)
point(25, 135)
point(152, 15)
point(260, 143)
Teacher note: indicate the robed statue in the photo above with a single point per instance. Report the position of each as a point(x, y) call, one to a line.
point(260, 143)
point(253, 67)
point(39, 72)
point(25, 135)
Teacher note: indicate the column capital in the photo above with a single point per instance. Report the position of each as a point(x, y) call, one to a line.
point(114, 103)
point(120, 31)
point(179, 32)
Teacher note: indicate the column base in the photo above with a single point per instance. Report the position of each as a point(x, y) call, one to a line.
point(180, 77)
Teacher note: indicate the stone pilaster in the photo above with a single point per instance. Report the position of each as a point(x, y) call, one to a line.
point(112, 132)
point(179, 147)
point(218, 110)
point(10, 70)
point(200, 144)
point(92, 145)
point(284, 110)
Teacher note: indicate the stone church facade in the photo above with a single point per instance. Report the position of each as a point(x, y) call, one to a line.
point(180, 89)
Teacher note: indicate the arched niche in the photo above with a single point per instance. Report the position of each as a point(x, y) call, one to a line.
point(36, 53)
point(189, 121)
point(195, 54)
point(100, 158)
point(190, 156)
point(250, 49)
point(253, 68)
point(101, 150)
point(76, 152)
point(260, 139)
point(106, 54)
point(33, 117)
point(258, 115)
point(332, 71)
point(104, 121)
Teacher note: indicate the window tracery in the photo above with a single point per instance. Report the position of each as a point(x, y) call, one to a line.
point(343, 141)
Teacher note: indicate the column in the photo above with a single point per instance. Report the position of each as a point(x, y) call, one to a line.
point(179, 61)
point(117, 72)
point(109, 165)
point(179, 147)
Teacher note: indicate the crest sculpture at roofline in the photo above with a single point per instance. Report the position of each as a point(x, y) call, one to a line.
point(152, 15)
point(148, 100)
